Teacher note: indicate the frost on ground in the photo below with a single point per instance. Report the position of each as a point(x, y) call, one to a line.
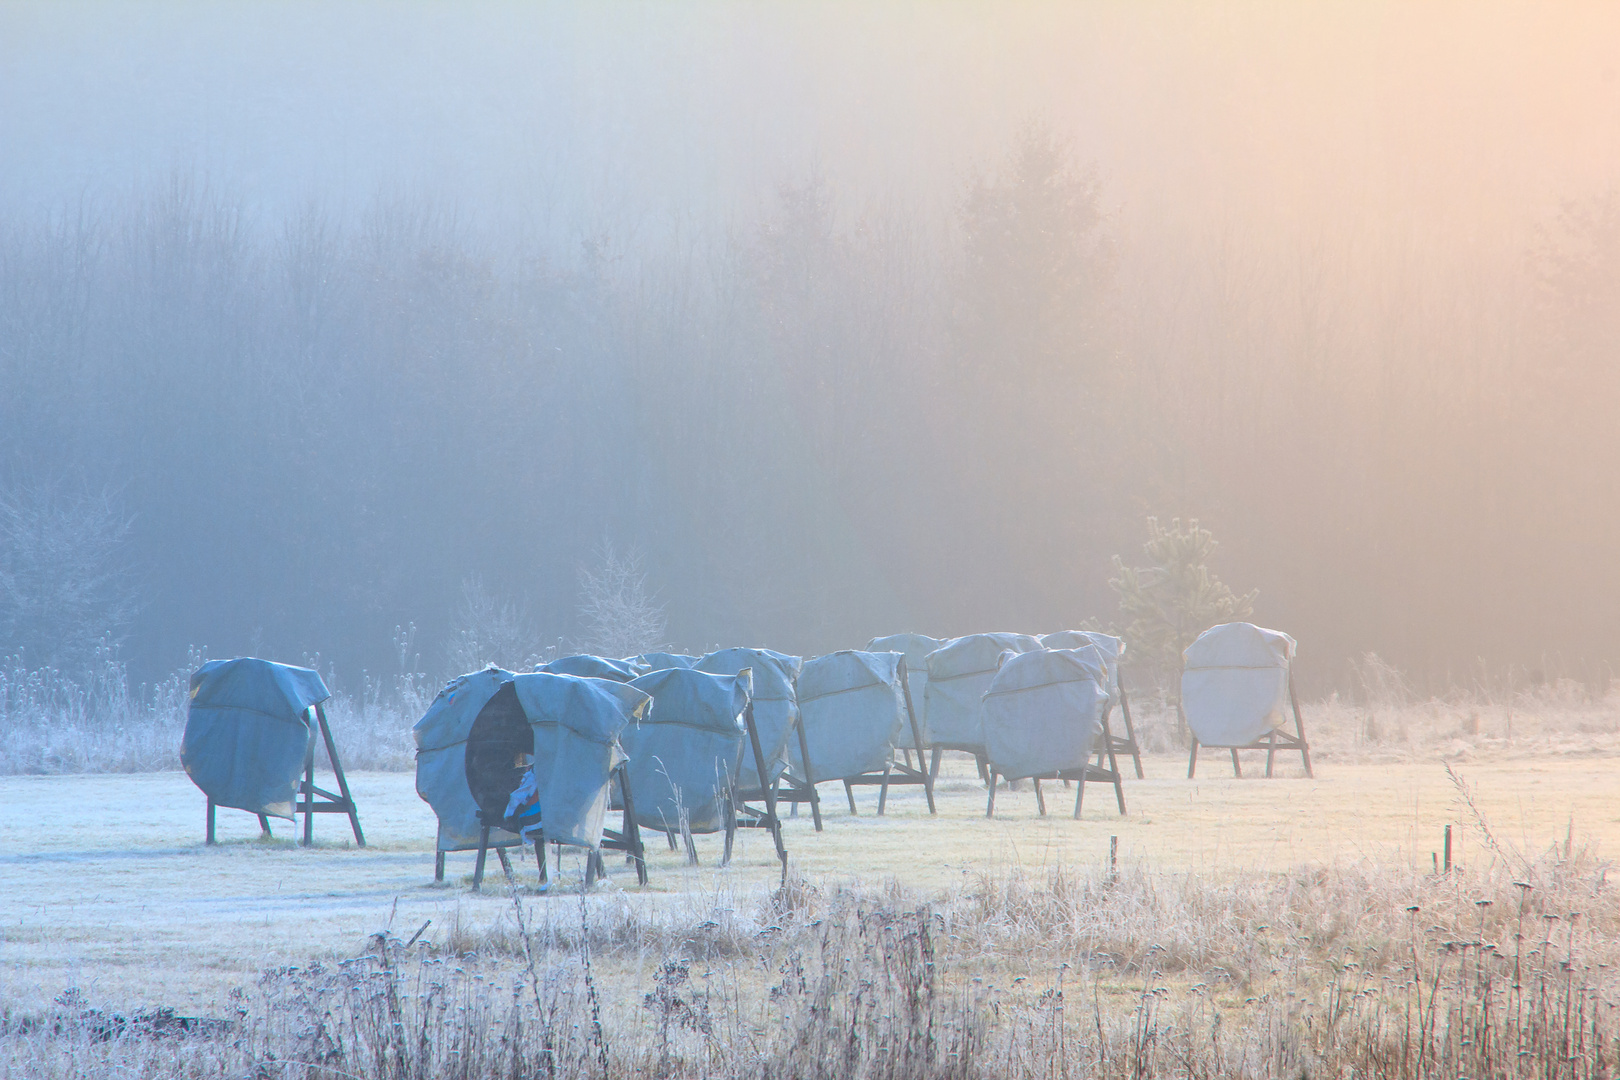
point(105, 884)
point(1354, 967)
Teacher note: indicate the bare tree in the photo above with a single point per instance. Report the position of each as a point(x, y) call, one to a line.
point(65, 589)
point(491, 630)
point(619, 616)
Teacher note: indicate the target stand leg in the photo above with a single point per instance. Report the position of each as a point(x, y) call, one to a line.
point(478, 867)
point(506, 865)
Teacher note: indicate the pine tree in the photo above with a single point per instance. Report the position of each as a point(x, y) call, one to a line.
point(1168, 603)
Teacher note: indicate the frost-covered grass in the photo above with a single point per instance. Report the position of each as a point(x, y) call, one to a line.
point(1560, 716)
point(51, 722)
point(97, 722)
point(1251, 928)
point(1357, 969)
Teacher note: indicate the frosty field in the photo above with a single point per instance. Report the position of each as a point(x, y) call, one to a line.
point(106, 886)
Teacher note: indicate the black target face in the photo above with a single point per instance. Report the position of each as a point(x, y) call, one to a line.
point(498, 751)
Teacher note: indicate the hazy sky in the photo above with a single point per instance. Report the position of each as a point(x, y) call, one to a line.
point(1316, 206)
point(621, 118)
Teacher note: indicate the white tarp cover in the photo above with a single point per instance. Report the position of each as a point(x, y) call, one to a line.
point(916, 648)
point(684, 753)
point(958, 675)
point(1043, 710)
point(853, 710)
point(577, 723)
point(441, 757)
point(247, 732)
point(1234, 687)
point(1112, 648)
point(776, 708)
point(592, 667)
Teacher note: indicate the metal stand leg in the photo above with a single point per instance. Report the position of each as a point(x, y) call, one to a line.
point(632, 831)
point(916, 741)
point(1113, 765)
point(990, 806)
point(1299, 726)
point(765, 786)
point(1130, 726)
point(1237, 766)
point(478, 867)
point(342, 780)
point(809, 776)
point(1040, 800)
point(309, 796)
point(731, 829)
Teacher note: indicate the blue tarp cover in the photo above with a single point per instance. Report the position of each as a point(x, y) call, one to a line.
point(1112, 648)
point(663, 661)
point(916, 648)
point(247, 733)
point(577, 723)
point(958, 675)
point(776, 708)
point(592, 667)
point(853, 711)
point(1043, 710)
point(685, 752)
point(441, 756)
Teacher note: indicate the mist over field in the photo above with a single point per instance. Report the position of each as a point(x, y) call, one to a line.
point(851, 319)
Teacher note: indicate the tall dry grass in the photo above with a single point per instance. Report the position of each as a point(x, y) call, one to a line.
point(1492, 712)
point(96, 721)
point(1504, 969)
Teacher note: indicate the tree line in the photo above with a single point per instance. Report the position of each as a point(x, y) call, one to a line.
point(836, 421)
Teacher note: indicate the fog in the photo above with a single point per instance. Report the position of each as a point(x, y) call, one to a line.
point(852, 318)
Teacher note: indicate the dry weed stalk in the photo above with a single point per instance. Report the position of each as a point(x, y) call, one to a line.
point(1359, 969)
